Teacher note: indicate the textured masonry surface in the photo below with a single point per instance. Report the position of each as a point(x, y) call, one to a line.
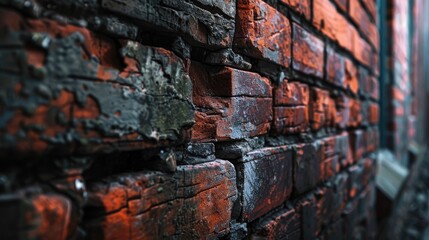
point(196, 119)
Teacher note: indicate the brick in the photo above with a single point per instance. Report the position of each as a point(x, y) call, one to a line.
point(372, 88)
point(307, 52)
point(291, 94)
point(192, 19)
point(290, 119)
point(262, 32)
point(78, 116)
point(332, 23)
point(306, 174)
point(330, 160)
point(282, 225)
point(32, 214)
point(267, 180)
point(362, 19)
point(322, 109)
point(342, 111)
point(371, 139)
point(307, 209)
point(371, 7)
point(373, 113)
point(208, 188)
point(364, 79)
point(352, 82)
point(300, 6)
point(335, 68)
point(240, 107)
point(362, 50)
point(333, 231)
point(291, 107)
point(357, 144)
point(355, 115)
point(342, 4)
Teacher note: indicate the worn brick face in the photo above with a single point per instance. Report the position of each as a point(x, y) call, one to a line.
point(262, 32)
point(167, 198)
point(239, 108)
point(267, 180)
point(307, 52)
point(301, 6)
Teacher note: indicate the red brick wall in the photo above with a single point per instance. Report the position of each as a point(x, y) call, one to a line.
point(189, 119)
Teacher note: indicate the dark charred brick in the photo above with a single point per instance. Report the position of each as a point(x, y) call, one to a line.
point(262, 32)
point(306, 173)
point(192, 19)
point(70, 99)
point(195, 201)
point(342, 111)
point(240, 107)
point(335, 67)
point(307, 52)
point(282, 225)
point(333, 231)
point(307, 209)
point(300, 6)
point(267, 180)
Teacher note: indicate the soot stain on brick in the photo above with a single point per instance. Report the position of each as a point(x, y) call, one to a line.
point(72, 99)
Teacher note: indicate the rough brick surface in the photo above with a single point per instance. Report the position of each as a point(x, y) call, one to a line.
point(262, 32)
point(307, 52)
point(156, 205)
point(196, 119)
point(266, 180)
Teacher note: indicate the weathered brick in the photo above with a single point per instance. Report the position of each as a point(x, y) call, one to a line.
point(342, 111)
point(306, 173)
point(371, 6)
point(342, 4)
point(31, 214)
point(195, 201)
point(322, 109)
point(373, 113)
point(79, 73)
point(300, 6)
point(361, 50)
point(355, 114)
point(267, 180)
point(332, 23)
point(352, 82)
point(291, 107)
point(372, 88)
point(290, 119)
point(371, 139)
point(240, 107)
point(262, 32)
point(307, 209)
point(282, 225)
point(335, 67)
point(307, 52)
point(291, 94)
point(357, 144)
point(192, 19)
point(360, 17)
